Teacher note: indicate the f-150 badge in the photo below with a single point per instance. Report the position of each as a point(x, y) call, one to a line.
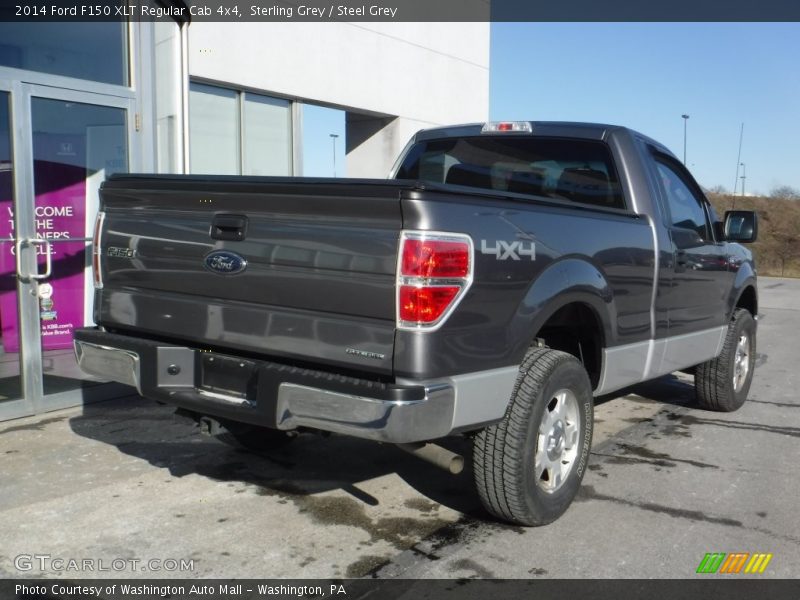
point(510, 250)
point(225, 262)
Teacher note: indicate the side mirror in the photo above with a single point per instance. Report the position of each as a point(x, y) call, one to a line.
point(740, 226)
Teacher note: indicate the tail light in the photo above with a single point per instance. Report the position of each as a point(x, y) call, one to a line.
point(96, 251)
point(434, 271)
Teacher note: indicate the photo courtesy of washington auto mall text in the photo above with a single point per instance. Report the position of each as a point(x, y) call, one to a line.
point(107, 590)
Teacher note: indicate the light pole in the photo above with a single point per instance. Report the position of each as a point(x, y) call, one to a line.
point(744, 176)
point(333, 138)
point(685, 119)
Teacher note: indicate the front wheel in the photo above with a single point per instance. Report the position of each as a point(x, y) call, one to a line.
point(529, 466)
point(722, 383)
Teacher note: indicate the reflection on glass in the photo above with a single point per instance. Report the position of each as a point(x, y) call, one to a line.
point(95, 50)
point(10, 387)
point(267, 136)
point(75, 147)
point(213, 130)
point(235, 133)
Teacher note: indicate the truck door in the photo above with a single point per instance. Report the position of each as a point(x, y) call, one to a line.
point(694, 296)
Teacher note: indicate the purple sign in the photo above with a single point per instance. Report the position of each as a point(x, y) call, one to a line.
point(60, 214)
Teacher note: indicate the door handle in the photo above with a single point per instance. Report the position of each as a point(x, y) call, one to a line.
point(229, 227)
point(48, 261)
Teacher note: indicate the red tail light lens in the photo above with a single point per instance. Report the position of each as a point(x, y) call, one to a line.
point(435, 258)
point(433, 274)
point(96, 251)
point(425, 304)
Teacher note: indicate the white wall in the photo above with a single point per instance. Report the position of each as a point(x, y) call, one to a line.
point(421, 74)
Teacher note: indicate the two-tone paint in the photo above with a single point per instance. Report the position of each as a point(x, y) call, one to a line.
point(318, 292)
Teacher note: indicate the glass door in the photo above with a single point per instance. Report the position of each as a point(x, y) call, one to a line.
point(13, 401)
point(73, 142)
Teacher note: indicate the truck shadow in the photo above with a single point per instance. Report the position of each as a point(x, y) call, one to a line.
point(311, 464)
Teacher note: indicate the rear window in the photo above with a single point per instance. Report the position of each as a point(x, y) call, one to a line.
point(565, 169)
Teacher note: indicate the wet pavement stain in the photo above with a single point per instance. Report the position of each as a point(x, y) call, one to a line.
point(781, 404)
point(37, 426)
point(776, 429)
point(400, 532)
point(422, 505)
point(588, 492)
point(640, 454)
point(466, 564)
point(307, 561)
point(366, 565)
point(537, 571)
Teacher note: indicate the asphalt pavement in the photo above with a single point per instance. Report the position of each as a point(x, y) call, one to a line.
point(125, 488)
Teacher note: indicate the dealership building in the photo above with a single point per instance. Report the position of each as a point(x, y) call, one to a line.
point(82, 100)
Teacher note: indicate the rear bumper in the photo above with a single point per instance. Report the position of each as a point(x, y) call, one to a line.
point(276, 395)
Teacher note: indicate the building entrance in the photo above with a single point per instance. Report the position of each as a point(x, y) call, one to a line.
point(56, 147)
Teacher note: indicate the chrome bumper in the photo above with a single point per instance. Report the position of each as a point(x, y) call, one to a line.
point(394, 421)
point(106, 362)
point(381, 420)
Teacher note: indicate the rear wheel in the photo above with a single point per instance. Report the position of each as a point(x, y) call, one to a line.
point(529, 466)
point(722, 383)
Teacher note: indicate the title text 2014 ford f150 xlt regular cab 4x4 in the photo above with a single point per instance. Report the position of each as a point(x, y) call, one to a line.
point(504, 275)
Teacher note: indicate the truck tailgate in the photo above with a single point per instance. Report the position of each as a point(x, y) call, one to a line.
point(318, 283)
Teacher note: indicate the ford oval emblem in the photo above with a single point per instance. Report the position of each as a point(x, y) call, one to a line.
point(225, 262)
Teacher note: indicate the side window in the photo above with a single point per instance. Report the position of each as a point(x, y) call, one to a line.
point(686, 209)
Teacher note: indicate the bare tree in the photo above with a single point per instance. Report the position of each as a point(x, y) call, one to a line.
point(785, 192)
point(783, 241)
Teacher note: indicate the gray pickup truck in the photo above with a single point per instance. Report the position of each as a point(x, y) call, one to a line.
point(502, 277)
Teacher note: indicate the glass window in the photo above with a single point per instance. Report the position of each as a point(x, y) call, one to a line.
point(235, 132)
point(214, 130)
point(267, 136)
point(567, 169)
point(97, 51)
point(686, 210)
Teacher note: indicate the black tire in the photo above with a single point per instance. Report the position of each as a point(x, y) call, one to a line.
point(714, 379)
point(252, 437)
point(505, 453)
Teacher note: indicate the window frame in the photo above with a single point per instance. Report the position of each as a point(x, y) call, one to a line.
point(611, 166)
point(682, 173)
point(241, 96)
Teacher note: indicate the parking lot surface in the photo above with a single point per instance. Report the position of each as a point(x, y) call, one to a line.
point(128, 481)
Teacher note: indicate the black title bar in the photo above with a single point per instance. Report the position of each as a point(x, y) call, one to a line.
point(284, 11)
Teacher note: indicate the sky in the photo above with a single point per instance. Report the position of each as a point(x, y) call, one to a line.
point(645, 76)
point(318, 124)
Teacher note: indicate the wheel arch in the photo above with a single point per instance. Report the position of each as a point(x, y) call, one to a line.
point(571, 308)
point(748, 299)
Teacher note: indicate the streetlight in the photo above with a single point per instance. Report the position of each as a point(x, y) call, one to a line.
point(685, 119)
point(744, 177)
point(333, 138)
